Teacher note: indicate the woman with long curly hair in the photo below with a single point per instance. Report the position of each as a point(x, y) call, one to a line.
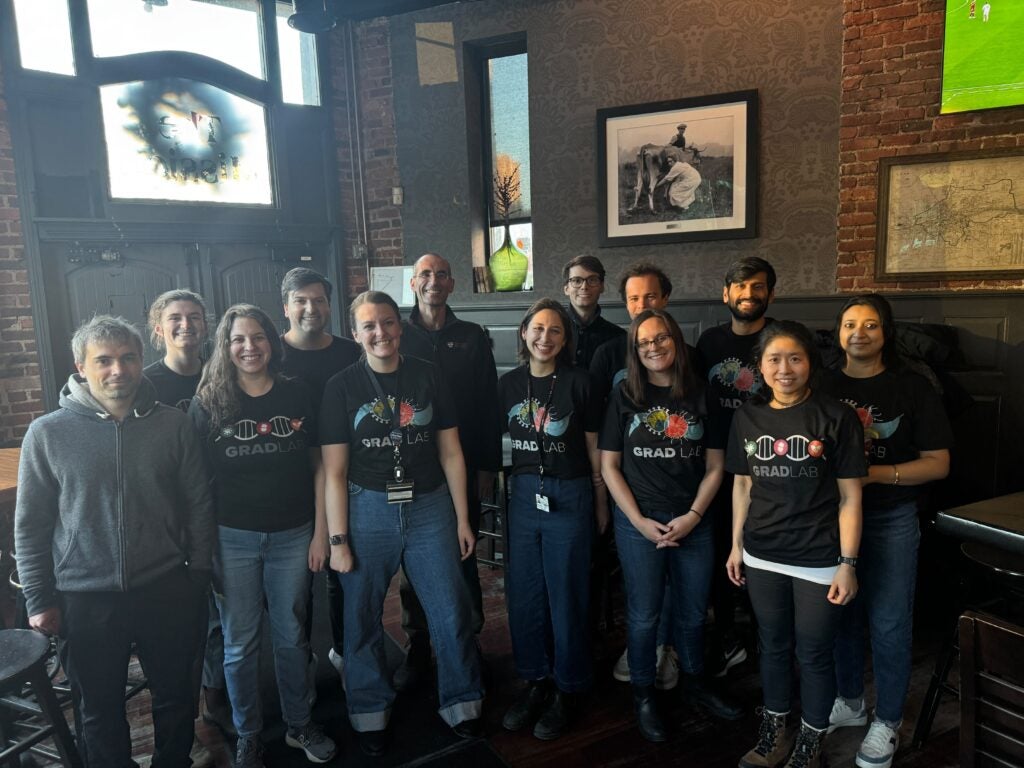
point(260, 434)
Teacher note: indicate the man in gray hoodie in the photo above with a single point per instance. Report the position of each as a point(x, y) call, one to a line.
point(114, 530)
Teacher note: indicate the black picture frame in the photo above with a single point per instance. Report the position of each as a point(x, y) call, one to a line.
point(720, 139)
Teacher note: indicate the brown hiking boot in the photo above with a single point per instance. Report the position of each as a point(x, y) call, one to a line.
point(772, 744)
point(808, 752)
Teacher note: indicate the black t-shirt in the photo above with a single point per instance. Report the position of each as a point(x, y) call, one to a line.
point(794, 457)
point(901, 415)
point(571, 411)
point(316, 366)
point(662, 446)
point(732, 375)
point(262, 473)
point(353, 414)
point(608, 366)
point(172, 388)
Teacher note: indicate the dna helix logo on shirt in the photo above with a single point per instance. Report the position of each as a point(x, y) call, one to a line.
point(250, 429)
point(792, 451)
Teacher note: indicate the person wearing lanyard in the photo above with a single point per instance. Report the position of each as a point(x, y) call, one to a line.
point(396, 495)
point(552, 418)
point(907, 438)
point(798, 459)
point(260, 436)
point(662, 457)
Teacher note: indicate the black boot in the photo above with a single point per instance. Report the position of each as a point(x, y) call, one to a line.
point(697, 690)
point(528, 706)
point(414, 667)
point(647, 717)
point(556, 717)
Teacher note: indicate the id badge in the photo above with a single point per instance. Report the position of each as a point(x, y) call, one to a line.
point(543, 503)
point(401, 490)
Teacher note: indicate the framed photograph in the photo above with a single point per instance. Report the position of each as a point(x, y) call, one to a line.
point(678, 171)
point(956, 215)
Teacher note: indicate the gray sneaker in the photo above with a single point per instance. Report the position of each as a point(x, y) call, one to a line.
point(311, 739)
point(248, 753)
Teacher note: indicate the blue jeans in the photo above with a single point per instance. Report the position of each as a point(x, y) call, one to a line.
point(422, 537)
point(645, 568)
point(254, 568)
point(549, 580)
point(886, 574)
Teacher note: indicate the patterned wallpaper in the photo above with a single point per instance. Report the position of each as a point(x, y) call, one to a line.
point(588, 54)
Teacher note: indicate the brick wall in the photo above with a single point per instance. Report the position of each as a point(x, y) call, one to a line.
point(377, 133)
point(20, 388)
point(892, 65)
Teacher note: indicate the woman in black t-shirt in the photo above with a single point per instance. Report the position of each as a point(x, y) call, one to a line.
point(907, 439)
point(798, 458)
point(662, 459)
point(552, 418)
point(391, 443)
point(261, 441)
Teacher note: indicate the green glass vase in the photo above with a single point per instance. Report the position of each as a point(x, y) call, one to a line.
point(508, 266)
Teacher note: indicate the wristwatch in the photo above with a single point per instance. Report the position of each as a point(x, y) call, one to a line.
point(338, 539)
point(850, 561)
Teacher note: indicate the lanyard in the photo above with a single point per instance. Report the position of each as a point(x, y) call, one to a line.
point(539, 430)
point(390, 414)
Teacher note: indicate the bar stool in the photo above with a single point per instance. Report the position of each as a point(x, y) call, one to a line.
point(1003, 572)
point(23, 657)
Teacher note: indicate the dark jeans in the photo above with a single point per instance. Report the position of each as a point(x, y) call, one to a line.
point(725, 595)
point(684, 572)
point(886, 574)
point(414, 620)
point(335, 610)
point(548, 580)
point(789, 610)
point(97, 633)
point(213, 653)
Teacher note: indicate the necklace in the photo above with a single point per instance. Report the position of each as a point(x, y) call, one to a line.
point(781, 405)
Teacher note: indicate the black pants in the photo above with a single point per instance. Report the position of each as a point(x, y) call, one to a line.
point(97, 633)
point(414, 620)
point(789, 610)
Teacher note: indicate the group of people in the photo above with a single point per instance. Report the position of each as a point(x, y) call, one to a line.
point(198, 498)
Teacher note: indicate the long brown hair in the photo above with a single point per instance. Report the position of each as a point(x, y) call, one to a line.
point(218, 391)
point(684, 381)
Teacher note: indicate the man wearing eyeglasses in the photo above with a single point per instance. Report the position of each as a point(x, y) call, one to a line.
point(583, 283)
point(462, 352)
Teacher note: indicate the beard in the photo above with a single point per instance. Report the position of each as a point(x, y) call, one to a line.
point(748, 315)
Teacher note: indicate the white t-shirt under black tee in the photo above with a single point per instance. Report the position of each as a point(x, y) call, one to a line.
point(901, 415)
point(569, 412)
point(794, 457)
point(662, 446)
point(171, 387)
point(353, 414)
point(262, 472)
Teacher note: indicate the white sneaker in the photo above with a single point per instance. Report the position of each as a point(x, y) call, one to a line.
point(338, 662)
point(878, 747)
point(843, 715)
point(667, 672)
point(621, 670)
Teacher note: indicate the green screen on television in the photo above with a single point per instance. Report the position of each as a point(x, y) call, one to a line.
point(983, 55)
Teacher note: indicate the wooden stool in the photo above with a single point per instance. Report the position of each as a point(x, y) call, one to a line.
point(23, 655)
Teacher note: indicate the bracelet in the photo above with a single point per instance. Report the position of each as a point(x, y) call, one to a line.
point(698, 514)
point(896, 480)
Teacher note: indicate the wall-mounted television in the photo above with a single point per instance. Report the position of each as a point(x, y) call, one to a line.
point(983, 55)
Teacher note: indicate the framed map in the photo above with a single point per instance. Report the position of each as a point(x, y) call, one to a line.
point(952, 215)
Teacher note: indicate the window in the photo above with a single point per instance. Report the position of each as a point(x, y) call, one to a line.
point(44, 35)
point(507, 113)
point(224, 30)
point(177, 139)
point(297, 55)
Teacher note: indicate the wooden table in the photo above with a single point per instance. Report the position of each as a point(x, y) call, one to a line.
point(998, 522)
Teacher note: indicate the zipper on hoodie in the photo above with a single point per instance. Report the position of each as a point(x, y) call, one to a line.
point(119, 443)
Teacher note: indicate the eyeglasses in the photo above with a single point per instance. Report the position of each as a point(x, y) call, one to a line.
point(426, 274)
point(658, 340)
point(593, 281)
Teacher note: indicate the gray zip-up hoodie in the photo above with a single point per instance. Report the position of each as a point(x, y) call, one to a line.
point(106, 506)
